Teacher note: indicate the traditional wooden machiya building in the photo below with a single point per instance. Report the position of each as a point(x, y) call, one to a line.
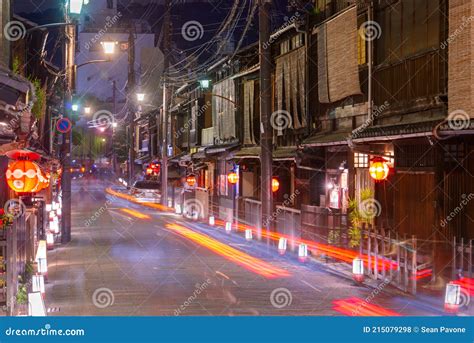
point(402, 115)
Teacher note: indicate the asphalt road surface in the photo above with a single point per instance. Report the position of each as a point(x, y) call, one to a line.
point(125, 259)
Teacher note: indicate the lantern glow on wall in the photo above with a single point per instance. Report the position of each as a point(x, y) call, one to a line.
point(379, 169)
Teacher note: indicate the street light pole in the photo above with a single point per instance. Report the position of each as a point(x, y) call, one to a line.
point(266, 134)
point(164, 144)
point(69, 50)
point(131, 98)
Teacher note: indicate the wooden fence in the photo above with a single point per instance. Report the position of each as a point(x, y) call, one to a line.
point(392, 258)
point(462, 261)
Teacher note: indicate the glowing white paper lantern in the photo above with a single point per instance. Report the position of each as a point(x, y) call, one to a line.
point(248, 234)
point(282, 244)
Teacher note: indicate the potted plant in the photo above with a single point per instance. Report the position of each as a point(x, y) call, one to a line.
point(358, 217)
point(6, 219)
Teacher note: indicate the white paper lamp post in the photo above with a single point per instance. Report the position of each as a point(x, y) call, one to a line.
point(228, 227)
point(177, 209)
point(37, 284)
point(248, 234)
point(282, 244)
point(49, 240)
point(452, 298)
point(303, 252)
point(358, 269)
point(42, 266)
point(212, 221)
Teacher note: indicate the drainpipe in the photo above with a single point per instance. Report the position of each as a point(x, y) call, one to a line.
point(370, 46)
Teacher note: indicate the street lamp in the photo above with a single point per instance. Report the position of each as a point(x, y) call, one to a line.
point(109, 47)
point(75, 6)
point(205, 84)
point(75, 107)
point(140, 97)
point(87, 110)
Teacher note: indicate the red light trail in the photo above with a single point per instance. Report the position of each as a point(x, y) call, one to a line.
point(357, 307)
point(248, 262)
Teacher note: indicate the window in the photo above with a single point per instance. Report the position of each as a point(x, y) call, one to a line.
point(408, 28)
point(284, 47)
point(110, 4)
point(454, 154)
point(297, 41)
point(361, 160)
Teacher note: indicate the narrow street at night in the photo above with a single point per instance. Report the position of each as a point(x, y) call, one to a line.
point(142, 268)
point(237, 170)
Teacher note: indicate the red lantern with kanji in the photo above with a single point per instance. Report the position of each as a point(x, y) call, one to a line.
point(379, 169)
point(275, 185)
point(191, 180)
point(233, 178)
point(23, 176)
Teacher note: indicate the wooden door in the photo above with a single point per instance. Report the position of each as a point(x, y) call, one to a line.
point(414, 204)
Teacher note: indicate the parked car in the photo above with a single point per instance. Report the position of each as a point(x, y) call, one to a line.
point(146, 191)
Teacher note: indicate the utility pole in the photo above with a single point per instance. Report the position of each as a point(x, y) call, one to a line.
point(266, 131)
point(69, 51)
point(166, 100)
point(131, 98)
point(114, 99)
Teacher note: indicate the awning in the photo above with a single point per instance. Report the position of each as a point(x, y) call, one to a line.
point(327, 139)
point(199, 155)
point(213, 150)
point(391, 132)
point(279, 154)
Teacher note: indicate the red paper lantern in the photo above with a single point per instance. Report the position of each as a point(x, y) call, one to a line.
point(191, 180)
point(379, 169)
point(23, 176)
point(233, 178)
point(275, 185)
